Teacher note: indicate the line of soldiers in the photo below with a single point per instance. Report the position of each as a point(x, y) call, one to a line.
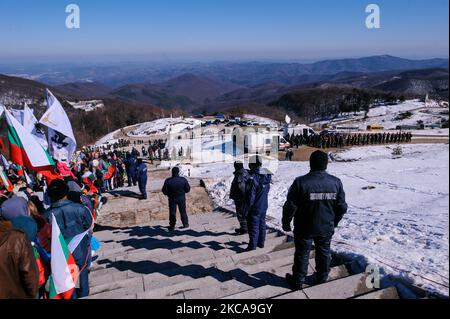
point(337, 140)
point(138, 142)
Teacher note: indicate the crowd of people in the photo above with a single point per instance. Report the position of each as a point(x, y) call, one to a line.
point(28, 201)
point(340, 140)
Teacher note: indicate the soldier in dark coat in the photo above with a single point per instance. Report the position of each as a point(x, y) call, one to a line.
point(257, 201)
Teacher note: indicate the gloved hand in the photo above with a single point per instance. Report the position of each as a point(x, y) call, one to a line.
point(287, 228)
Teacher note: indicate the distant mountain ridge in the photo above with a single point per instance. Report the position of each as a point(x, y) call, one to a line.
point(238, 73)
point(185, 91)
point(85, 89)
point(219, 86)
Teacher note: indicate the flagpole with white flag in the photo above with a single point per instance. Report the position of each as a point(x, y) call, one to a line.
point(61, 139)
point(31, 124)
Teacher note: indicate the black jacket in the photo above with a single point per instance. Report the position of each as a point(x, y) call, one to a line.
point(176, 188)
point(238, 188)
point(316, 201)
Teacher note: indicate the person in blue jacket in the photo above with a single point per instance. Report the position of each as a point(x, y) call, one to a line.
point(317, 204)
point(130, 166)
point(257, 203)
point(73, 219)
point(141, 176)
point(176, 188)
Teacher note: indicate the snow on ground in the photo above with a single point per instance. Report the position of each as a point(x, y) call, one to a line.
point(399, 223)
point(387, 116)
point(87, 106)
point(108, 139)
point(443, 132)
point(164, 126)
point(261, 120)
point(395, 109)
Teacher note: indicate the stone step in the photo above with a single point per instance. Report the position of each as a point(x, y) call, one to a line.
point(184, 243)
point(227, 282)
point(195, 221)
point(207, 258)
point(338, 289)
point(182, 251)
point(244, 278)
point(160, 232)
point(387, 293)
point(279, 286)
point(161, 227)
point(170, 269)
point(244, 275)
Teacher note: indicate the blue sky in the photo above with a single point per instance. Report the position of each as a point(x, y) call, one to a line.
point(222, 29)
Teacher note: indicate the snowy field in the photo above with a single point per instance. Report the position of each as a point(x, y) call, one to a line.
point(387, 116)
point(164, 126)
point(261, 120)
point(398, 208)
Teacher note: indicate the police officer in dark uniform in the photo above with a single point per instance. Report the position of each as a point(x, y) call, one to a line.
point(317, 204)
point(257, 203)
point(130, 166)
point(176, 189)
point(141, 175)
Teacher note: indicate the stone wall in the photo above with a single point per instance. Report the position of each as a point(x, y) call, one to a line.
point(126, 210)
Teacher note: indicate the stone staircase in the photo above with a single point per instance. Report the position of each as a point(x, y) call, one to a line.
point(208, 261)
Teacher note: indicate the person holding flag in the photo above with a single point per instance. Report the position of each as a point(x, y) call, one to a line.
point(71, 246)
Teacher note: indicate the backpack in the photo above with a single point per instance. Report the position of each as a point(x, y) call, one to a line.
point(239, 188)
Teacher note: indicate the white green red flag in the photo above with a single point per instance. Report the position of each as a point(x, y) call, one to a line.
point(4, 180)
point(24, 150)
point(64, 270)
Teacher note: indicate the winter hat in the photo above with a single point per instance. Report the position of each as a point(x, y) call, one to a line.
point(175, 171)
point(73, 187)
point(318, 161)
point(238, 165)
point(255, 161)
point(26, 224)
point(14, 207)
point(57, 190)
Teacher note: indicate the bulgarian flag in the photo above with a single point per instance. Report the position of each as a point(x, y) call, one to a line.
point(64, 270)
point(26, 151)
point(4, 180)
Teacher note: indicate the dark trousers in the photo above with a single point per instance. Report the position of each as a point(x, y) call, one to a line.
point(241, 214)
point(83, 290)
point(143, 188)
point(131, 178)
point(173, 212)
point(256, 224)
point(302, 253)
